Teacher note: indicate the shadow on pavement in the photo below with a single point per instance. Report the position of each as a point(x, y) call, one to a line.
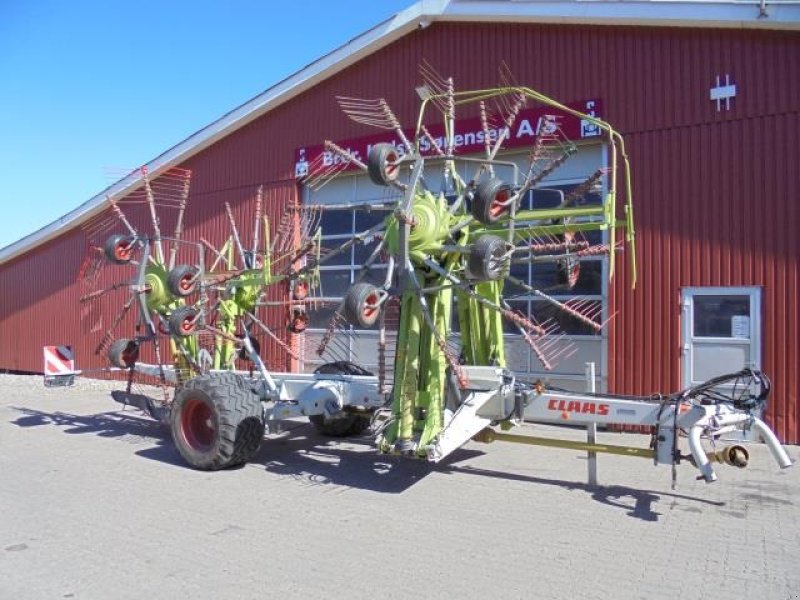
point(316, 460)
point(637, 503)
point(301, 454)
point(105, 424)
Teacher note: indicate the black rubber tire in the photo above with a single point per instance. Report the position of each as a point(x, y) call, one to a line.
point(123, 353)
point(380, 164)
point(485, 202)
point(182, 280)
point(485, 258)
point(360, 307)
point(217, 421)
point(342, 367)
point(119, 249)
point(346, 424)
point(181, 321)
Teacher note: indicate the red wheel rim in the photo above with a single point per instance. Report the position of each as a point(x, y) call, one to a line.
point(123, 251)
point(129, 356)
point(497, 207)
point(370, 306)
point(574, 273)
point(187, 325)
point(300, 290)
point(186, 283)
point(197, 425)
point(389, 168)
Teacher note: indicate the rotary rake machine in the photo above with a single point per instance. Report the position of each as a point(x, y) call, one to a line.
point(208, 317)
point(455, 227)
point(455, 244)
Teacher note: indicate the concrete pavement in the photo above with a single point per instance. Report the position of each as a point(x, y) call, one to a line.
point(96, 504)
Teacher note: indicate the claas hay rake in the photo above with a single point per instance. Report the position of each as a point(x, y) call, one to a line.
point(455, 227)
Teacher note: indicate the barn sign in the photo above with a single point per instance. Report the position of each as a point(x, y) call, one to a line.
point(470, 138)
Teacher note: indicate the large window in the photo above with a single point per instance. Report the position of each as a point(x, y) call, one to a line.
point(340, 222)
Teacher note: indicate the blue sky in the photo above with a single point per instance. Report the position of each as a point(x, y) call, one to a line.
point(88, 88)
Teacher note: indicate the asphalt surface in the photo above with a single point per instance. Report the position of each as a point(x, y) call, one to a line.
point(95, 503)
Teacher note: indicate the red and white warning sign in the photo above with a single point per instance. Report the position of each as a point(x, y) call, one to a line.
point(58, 360)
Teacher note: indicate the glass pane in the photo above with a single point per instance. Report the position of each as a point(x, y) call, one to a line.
point(518, 271)
point(720, 316)
point(328, 247)
point(335, 222)
point(362, 253)
point(590, 280)
point(543, 275)
point(334, 284)
point(547, 314)
point(369, 218)
point(319, 317)
point(547, 197)
point(375, 276)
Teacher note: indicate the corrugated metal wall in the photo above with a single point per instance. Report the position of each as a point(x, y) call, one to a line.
point(714, 190)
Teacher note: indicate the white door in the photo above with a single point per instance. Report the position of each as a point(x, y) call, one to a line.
point(721, 331)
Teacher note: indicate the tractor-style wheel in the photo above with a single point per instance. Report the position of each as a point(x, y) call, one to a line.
point(488, 203)
point(343, 424)
point(182, 280)
point(217, 421)
point(362, 305)
point(182, 321)
point(382, 164)
point(119, 249)
point(486, 258)
point(123, 353)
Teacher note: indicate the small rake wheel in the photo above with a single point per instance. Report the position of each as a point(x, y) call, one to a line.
point(486, 258)
point(489, 202)
point(182, 280)
point(123, 353)
point(119, 249)
point(382, 164)
point(362, 305)
point(182, 321)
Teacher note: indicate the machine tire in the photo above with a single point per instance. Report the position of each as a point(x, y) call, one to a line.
point(182, 321)
point(182, 280)
point(338, 427)
point(487, 201)
point(347, 424)
point(119, 249)
point(123, 353)
point(361, 305)
point(485, 258)
point(381, 164)
point(217, 421)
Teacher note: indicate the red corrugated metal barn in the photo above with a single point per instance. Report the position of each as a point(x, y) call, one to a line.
point(706, 95)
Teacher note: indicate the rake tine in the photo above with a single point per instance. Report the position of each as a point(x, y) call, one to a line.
point(151, 204)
